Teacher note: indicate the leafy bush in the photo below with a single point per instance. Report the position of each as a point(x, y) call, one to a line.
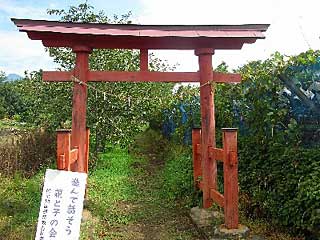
point(282, 183)
point(276, 169)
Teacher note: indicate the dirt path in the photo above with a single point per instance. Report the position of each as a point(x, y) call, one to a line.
point(159, 218)
point(148, 214)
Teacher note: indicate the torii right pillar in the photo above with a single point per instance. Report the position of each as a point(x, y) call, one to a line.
point(209, 166)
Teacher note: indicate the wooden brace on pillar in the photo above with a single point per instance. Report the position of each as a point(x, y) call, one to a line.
point(229, 156)
point(68, 156)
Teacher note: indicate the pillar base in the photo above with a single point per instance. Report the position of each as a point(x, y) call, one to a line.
point(221, 232)
point(210, 224)
point(205, 217)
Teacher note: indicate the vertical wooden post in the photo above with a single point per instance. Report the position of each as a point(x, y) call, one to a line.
point(144, 62)
point(209, 166)
point(196, 141)
point(87, 150)
point(230, 168)
point(79, 107)
point(63, 149)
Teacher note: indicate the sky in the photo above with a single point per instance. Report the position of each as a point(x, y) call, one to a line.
point(294, 27)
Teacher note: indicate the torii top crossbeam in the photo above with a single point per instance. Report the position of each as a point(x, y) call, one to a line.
point(66, 34)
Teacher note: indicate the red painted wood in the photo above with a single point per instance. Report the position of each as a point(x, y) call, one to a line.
point(217, 197)
point(114, 76)
point(122, 42)
point(199, 148)
point(79, 106)
point(56, 76)
point(200, 185)
point(73, 156)
point(62, 34)
point(216, 153)
point(61, 162)
point(63, 149)
point(87, 150)
point(136, 29)
point(209, 167)
point(196, 139)
point(231, 188)
point(60, 153)
point(226, 77)
point(210, 32)
point(144, 60)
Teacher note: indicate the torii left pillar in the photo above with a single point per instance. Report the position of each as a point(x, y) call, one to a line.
point(208, 165)
point(79, 108)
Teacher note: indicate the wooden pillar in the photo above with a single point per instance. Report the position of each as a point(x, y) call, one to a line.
point(87, 150)
point(209, 166)
point(230, 168)
point(196, 141)
point(79, 107)
point(144, 61)
point(63, 149)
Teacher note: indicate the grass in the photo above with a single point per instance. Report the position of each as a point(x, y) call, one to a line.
point(19, 206)
point(125, 201)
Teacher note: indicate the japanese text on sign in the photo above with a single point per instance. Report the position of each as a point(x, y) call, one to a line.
point(61, 205)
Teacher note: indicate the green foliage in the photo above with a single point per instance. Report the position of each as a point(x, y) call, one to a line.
point(186, 98)
point(19, 206)
point(10, 101)
point(281, 182)
point(110, 183)
point(275, 170)
point(176, 175)
point(149, 143)
point(46, 105)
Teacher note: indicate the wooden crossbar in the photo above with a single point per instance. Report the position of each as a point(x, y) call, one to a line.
point(73, 155)
point(217, 197)
point(216, 153)
point(143, 76)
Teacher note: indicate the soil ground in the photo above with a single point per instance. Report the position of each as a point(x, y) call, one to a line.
point(148, 215)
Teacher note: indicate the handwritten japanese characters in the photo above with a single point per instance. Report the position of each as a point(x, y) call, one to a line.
point(61, 205)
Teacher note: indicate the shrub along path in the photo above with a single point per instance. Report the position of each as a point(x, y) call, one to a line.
point(126, 202)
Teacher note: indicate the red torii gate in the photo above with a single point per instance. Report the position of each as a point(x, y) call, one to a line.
point(72, 149)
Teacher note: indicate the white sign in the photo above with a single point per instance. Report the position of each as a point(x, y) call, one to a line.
point(61, 205)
